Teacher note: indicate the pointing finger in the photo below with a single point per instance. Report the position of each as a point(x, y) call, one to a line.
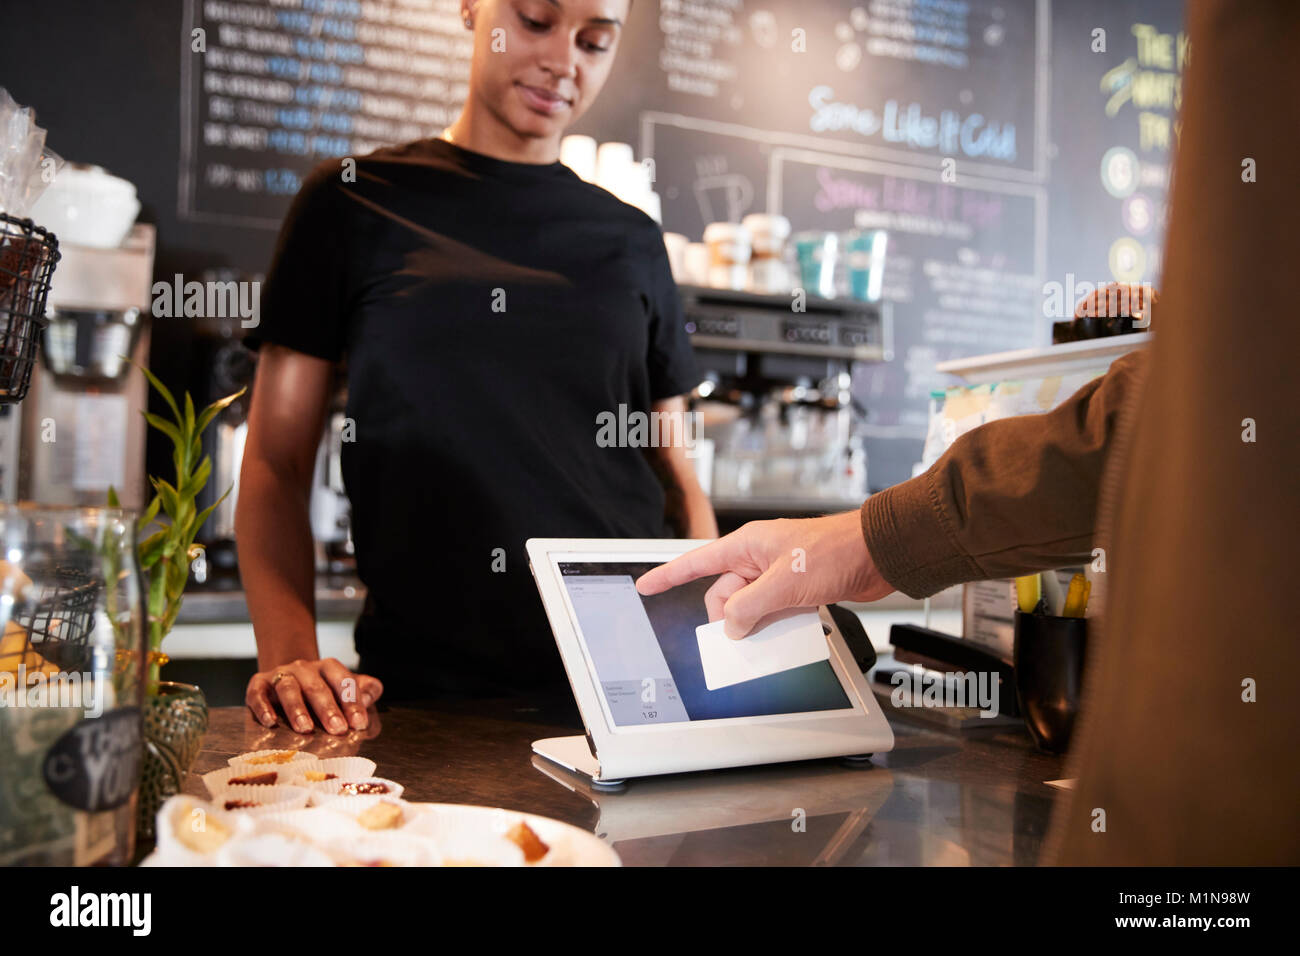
point(713, 558)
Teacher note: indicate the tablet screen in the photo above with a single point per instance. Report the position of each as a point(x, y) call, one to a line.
point(647, 659)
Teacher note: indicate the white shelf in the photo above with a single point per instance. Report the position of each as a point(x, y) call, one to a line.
point(1044, 362)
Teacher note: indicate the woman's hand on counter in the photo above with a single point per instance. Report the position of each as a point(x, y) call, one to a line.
point(325, 688)
point(769, 566)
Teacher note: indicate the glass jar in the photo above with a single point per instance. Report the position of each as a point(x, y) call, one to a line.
point(72, 680)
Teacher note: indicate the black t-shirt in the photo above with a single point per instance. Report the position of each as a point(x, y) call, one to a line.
point(488, 312)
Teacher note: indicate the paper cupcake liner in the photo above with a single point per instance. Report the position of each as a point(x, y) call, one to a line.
point(271, 849)
point(268, 799)
point(353, 768)
point(459, 834)
point(450, 822)
point(218, 781)
point(479, 849)
point(316, 824)
point(386, 849)
point(343, 768)
point(183, 815)
point(354, 803)
point(245, 760)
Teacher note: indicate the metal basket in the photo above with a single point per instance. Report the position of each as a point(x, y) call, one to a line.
point(59, 611)
point(28, 255)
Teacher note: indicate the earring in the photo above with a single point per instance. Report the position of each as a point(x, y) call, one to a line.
point(469, 23)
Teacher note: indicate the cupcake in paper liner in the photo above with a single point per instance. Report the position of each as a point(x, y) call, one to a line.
point(354, 795)
point(507, 839)
point(315, 825)
point(372, 812)
point(262, 800)
point(382, 849)
point(261, 760)
point(481, 848)
point(239, 778)
point(191, 832)
point(271, 849)
point(325, 776)
point(354, 768)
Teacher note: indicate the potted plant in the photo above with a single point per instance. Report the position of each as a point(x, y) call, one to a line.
point(176, 715)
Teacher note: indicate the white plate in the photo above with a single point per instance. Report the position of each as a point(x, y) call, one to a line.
point(570, 845)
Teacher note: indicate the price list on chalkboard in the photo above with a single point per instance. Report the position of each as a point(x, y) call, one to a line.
point(272, 87)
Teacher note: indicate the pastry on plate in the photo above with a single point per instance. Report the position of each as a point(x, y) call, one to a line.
point(206, 837)
point(522, 836)
point(384, 815)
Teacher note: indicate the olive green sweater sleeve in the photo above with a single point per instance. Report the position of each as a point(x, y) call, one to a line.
point(1013, 496)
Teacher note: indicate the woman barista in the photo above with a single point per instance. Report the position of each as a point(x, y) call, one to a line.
point(490, 306)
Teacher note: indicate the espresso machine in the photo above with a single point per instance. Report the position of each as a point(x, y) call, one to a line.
point(777, 400)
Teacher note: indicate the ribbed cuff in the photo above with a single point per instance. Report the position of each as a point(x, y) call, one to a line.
point(912, 549)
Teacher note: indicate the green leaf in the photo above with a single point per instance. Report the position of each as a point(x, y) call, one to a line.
point(178, 571)
point(183, 519)
point(78, 541)
point(166, 427)
point(149, 514)
point(112, 498)
point(169, 619)
point(206, 513)
point(196, 481)
point(170, 499)
point(189, 414)
point(151, 548)
point(157, 593)
point(211, 412)
point(162, 390)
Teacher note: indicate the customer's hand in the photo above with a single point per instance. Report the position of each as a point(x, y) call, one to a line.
point(336, 696)
point(769, 566)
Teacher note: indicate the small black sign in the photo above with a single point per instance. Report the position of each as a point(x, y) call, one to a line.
point(96, 765)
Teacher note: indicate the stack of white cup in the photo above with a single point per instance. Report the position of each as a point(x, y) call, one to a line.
point(613, 167)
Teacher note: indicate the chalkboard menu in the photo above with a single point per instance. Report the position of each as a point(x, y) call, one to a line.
point(276, 87)
point(1114, 141)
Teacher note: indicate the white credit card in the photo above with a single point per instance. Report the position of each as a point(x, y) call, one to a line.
point(790, 642)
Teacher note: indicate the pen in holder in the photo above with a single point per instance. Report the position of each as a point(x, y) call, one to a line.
point(1049, 655)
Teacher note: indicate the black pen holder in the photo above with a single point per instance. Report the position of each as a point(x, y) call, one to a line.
point(1049, 656)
